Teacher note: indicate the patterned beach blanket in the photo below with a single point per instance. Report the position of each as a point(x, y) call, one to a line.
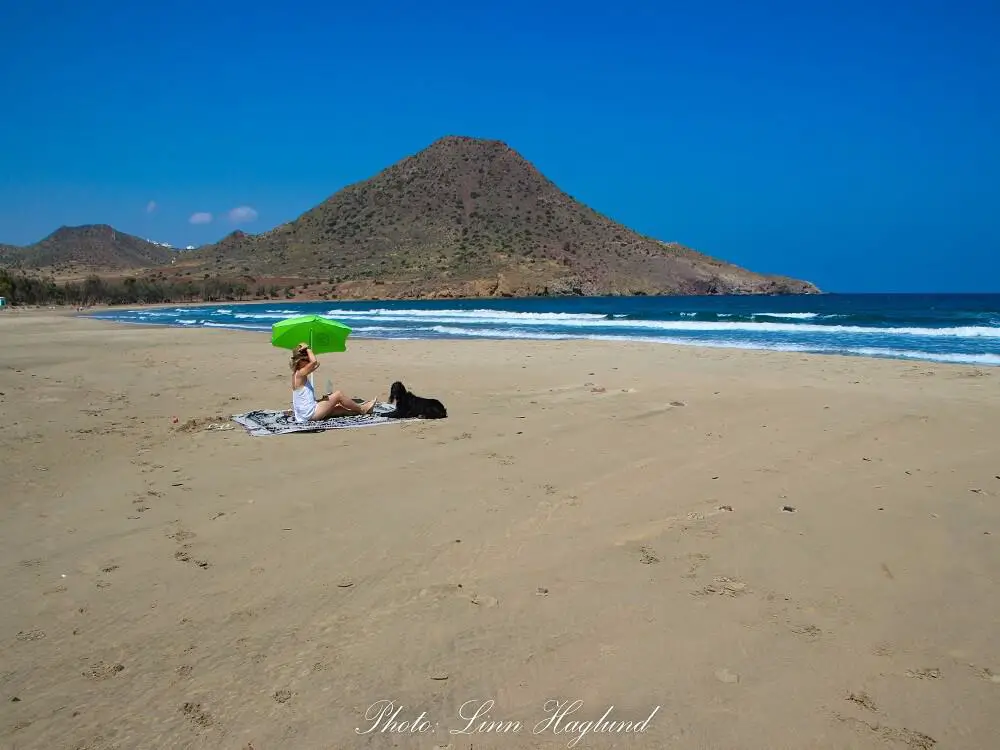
point(266, 422)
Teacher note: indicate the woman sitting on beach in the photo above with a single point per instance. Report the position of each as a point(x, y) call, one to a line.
point(305, 406)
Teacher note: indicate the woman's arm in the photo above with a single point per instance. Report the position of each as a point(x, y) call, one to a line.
point(313, 362)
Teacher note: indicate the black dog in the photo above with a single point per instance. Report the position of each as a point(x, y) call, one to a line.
point(409, 405)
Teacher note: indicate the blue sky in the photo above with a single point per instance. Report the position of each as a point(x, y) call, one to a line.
point(854, 144)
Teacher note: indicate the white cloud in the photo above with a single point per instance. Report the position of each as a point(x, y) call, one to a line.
point(202, 217)
point(242, 215)
point(150, 207)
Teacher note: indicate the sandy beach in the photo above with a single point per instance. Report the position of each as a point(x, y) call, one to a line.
point(737, 549)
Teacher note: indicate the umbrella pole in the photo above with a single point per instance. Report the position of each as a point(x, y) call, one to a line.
point(311, 382)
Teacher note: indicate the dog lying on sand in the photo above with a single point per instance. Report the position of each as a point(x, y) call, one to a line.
point(409, 405)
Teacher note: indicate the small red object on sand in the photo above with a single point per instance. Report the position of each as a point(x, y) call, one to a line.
point(174, 420)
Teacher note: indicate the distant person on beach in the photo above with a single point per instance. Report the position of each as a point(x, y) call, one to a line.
point(305, 406)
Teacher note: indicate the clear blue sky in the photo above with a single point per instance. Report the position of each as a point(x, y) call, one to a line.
point(854, 144)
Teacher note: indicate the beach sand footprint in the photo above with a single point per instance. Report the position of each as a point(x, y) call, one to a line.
point(809, 632)
point(183, 555)
point(988, 674)
point(694, 561)
point(892, 735)
point(197, 715)
point(924, 674)
point(648, 556)
point(722, 586)
point(103, 671)
point(864, 700)
point(502, 460)
point(199, 424)
point(484, 601)
point(242, 615)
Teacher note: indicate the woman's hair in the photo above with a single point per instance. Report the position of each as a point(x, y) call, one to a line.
point(300, 354)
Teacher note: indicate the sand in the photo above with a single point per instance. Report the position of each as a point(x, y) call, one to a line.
point(595, 522)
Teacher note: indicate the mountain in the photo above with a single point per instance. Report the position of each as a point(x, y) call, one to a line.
point(8, 254)
point(471, 217)
point(462, 218)
point(93, 247)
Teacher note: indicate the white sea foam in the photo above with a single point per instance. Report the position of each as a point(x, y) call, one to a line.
point(789, 315)
point(168, 313)
point(265, 316)
point(964, 359)
point(355, 331)
point(238, 326)
point(498, 333)
point(403, 314)
point(590, 320)
point(487, 317)
point(386, 329)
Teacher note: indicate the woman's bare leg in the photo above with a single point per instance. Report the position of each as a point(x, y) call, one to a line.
point(337, 405)
point(338, 398)
point(327, 409)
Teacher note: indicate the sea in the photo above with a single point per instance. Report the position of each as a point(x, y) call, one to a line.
point(962, 329)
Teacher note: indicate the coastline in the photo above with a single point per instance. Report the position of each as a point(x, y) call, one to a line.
point(260, 338)
point(595, 521)
point(605, 319)
point(962, 329)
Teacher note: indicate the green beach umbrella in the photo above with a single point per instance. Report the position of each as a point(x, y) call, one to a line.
point(323, 335)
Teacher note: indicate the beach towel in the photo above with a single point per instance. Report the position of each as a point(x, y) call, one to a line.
point(267, 422)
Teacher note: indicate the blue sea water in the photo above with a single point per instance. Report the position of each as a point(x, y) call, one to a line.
point(943, 328)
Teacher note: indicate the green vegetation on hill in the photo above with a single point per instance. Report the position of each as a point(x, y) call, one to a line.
point(96, 247)
point(22, 289)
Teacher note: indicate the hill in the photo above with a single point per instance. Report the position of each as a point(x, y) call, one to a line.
point(471, 217)
point(91, 248)
point(8, 255)
point(462, 218)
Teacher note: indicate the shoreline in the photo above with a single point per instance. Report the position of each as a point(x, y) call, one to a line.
point(913, 361)
point(698, 350)
point(609, 338)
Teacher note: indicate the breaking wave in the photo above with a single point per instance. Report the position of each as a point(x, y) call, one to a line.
point(937, 328)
